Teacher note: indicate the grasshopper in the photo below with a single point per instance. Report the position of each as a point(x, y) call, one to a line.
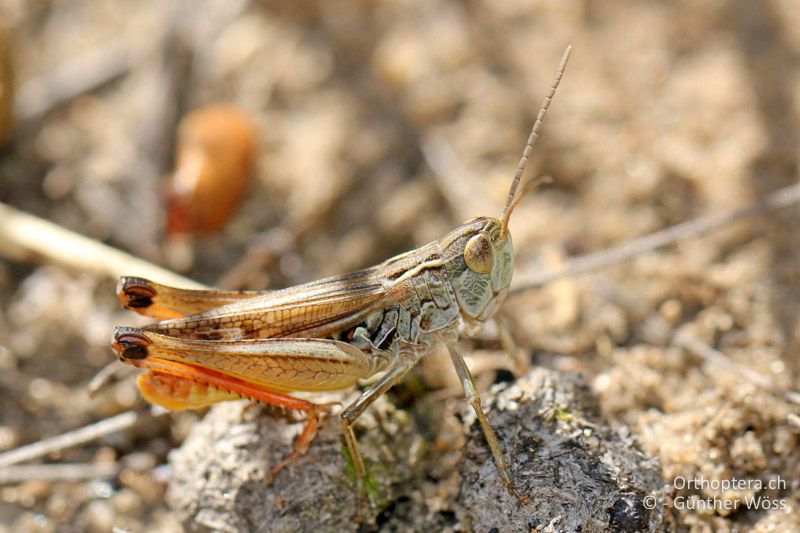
point(212, 346)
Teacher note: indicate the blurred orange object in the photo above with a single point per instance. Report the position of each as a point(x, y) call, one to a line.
point(213, 163)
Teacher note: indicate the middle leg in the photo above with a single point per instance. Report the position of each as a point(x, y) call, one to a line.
point(354, 410)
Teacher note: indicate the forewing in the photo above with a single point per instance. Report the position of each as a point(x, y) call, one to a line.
point(152, 299)
point(315, 309)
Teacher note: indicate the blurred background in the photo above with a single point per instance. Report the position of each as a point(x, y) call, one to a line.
point(332, 135)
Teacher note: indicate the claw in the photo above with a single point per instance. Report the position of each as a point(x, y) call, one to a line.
point(273, 473)
point(523, 500)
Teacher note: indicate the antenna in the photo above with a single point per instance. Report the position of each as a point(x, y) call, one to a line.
point(510, 202)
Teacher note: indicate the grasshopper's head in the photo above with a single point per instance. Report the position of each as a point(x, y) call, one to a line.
point(480, 263)
point(479, 255)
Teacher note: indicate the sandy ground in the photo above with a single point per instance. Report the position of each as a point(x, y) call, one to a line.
point(382, 125)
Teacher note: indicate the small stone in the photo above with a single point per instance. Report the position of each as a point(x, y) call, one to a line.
point(99, 516)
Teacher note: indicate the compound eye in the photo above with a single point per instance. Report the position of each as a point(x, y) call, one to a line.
point(478, 254)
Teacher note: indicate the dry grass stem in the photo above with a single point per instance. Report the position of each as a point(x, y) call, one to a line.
point(610, 256)
point(69, 439)
point(57, 472)
point(24, 237)
point(720, 360)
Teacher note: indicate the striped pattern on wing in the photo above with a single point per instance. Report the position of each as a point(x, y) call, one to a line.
point(284, 312)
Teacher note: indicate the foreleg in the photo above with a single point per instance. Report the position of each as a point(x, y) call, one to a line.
point(474, 399)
